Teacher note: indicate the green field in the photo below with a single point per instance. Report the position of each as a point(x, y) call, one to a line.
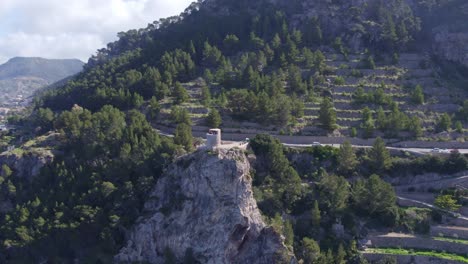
point(453, 240)
point(415, 252)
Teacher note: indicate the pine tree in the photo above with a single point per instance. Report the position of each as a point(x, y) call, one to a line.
point(191, 48)
point(208, 76)
point(369, 63)
point(316, 217)
point(154, 107)
point(444, 123)
point(206, 96)
point(276, 42)
point(310, 250)
point(368, 123)
point(415, 126)
point(334, 193)
point(381, 119)
point(327, 114)
point(418, 96)
point(380, 156)
point(329, 256)
point(340, 255)
point(213, 119)
point(347, 158)
point(459, 127)
point(183, 136)
point(231, 43)
point(180, 94)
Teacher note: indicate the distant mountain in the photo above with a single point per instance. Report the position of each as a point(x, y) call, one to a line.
point(20, 77)
point(47, 69)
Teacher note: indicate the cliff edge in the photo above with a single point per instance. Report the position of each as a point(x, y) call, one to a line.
point(203, 209)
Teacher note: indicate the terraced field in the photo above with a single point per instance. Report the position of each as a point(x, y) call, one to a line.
point(397, 81)
point(397, 244)
point(421, 253)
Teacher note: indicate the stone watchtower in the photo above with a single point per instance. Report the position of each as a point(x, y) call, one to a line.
point(213, 138)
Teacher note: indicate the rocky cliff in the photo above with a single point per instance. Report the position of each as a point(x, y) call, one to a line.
point(26, 163)
point(204, 208)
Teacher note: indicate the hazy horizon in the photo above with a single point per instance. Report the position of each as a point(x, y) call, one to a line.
point(73, 29)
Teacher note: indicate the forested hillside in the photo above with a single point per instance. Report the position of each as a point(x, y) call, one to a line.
point(272, 64)
point(342, 68)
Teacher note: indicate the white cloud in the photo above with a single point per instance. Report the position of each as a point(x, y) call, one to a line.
point(74, 28)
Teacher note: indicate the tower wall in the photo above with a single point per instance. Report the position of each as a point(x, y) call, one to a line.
point(213, 138)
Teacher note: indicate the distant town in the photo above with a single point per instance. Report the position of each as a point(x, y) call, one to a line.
point(10, 105)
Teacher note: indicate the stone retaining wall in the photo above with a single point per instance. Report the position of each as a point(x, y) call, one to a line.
point(434, 185)
point(445, 231)
point(418, 243)
point(459, 222)
point(375, 257)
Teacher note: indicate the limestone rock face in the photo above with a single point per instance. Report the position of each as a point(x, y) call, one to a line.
point(27, 164)
point(204, 204)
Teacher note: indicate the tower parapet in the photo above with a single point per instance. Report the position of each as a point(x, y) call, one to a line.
point(213, 138)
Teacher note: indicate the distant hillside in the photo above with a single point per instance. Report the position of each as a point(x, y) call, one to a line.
point(50, 70)
point(20, 77)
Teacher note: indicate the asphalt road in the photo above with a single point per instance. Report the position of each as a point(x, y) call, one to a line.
point(420, 151)
point(414, 150)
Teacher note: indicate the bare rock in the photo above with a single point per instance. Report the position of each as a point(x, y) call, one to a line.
point(27, 164)
point(204, 204)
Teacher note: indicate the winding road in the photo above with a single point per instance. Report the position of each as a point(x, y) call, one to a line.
point(306, 141)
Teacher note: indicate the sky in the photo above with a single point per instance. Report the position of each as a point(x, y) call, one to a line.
point(59, 29)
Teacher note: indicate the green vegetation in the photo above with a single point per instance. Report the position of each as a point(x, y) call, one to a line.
point(117, 157)
point(347, 158)
point(416, 252)
point(280, 190)
point(379, 156)
point(327, 115)
point(247, 68)
point(444, 123)
point(447, 202)
point(418, 96)
point(453, 240)
point(213, 119)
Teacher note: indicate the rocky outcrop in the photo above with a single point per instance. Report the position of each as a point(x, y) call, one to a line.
point(26, 164)
point(204, 205)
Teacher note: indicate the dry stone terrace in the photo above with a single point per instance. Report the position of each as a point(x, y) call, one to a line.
point(398, 82)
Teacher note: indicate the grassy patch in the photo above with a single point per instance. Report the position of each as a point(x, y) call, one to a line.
point(411, 252)
point(453, 240)
point(18, 152)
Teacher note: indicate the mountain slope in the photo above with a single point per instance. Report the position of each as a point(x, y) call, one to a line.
point(51, 70)
point(382, 55)
point(356, 68)
point(21, 77)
